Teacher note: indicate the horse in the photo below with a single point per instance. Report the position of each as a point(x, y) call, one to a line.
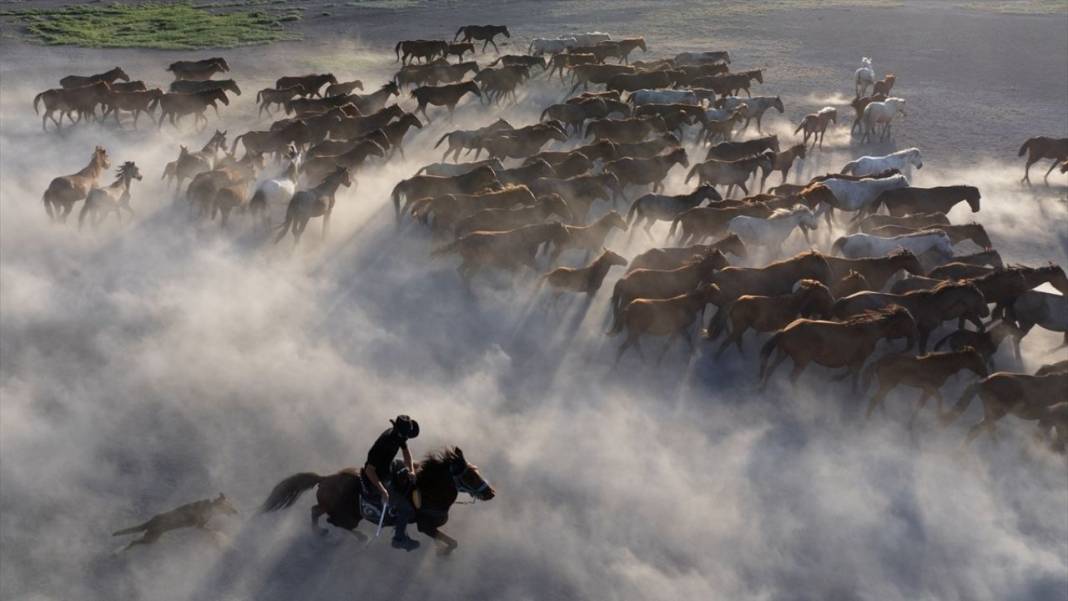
point(343, 88)
point(447, 210)
point(427, 50)
point(859, 104)
point(986, 343)
point(930, 308)
point(674, 257)
point(771, 232)
point(134, 102)
point(915, 220)
point(901, 160)
point(833, 344)
point(541, 46)
point(276, 191)
point(439, 479)
point(189, 164)
point(884, 85)
point(1042, 147)
point(482, 33)
point(658, 207)
point(771, 313)
point(662, 283)
point(877, 271)
point(189, 86)
point(67, 101)
point(882, 113)
point(858, 195)
point(311, 83)
point(927, 372)
point(470, 139)
point(108, 77)
point(867, 245)
point(1042, 309)
point(447, 96)
point(815, 125)
point(671, 317)
point(201, 70)
point(179, 105)
point(582, 280)
point(588, 237)
point(909, 200)
point(452, 169)
point(851, 283)
point(111, 199)
point(864, 77)
point(509, 250)
point(1004, 393)
point(66, 190)
point(316, 202)
point(957, 233)
point(503, 219)
point(641, 172)
point(730, 173)
point(757, 106)
point(783, 162)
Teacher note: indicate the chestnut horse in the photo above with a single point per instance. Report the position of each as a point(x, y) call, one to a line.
point(66, 190)
point(439, 479)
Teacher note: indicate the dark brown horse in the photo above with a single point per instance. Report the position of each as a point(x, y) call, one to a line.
point(1041, 147)
point(482, 33)
point(77, 81)
point(199, 70)
point(177, 106)
point(440, 478)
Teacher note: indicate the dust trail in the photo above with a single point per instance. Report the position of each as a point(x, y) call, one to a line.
point(156, 362)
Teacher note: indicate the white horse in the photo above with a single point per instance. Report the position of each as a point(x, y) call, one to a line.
point(854, 195)
point(276, 191)
point(592, 38)
point(540, 46)
point(713, 56)
point(640, 97)
point(865, 77)
point(902, 160)
point(855, 246)
point(882, 113)
point(774, 230)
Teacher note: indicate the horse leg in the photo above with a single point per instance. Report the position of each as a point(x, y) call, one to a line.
point(623, 347)
point(771, 368)
point(795, 373)
point(1031, 160)
point(449, 542)
point(880, 395)
point(1051, 167)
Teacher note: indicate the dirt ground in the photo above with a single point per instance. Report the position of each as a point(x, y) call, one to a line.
point(159, 361)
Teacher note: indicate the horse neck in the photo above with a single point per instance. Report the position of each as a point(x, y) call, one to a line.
point(436, 488)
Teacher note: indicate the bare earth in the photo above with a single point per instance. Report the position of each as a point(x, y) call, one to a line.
point(158, 362)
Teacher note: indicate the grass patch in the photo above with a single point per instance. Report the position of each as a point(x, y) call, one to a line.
point(163, 26)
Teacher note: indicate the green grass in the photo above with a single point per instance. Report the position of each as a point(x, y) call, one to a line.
point(163, 26)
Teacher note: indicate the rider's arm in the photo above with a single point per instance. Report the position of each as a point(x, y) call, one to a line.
point(372, 475)
point(408, 459)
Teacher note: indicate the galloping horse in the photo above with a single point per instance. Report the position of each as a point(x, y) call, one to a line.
point(66, 190)
point(439, 479)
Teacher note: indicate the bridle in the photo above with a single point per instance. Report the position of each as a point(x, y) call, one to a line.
point(461, 486)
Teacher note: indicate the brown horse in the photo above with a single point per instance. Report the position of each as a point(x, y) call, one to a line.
point(482, 33)
point(448, 209)
point(783, 162)
point(508, 250)
point(112, 199)
point(876, 270)
point(177, 105)
point(344, 87)
point(671, 317)
point(851, 283)
point(66, 190)
point(957, 233)
point(426, 50)
point(439, 479)
point(833, 344)
point(770, 313)
point(67, 101)
point(582, 280)
point(311, 82)
point(200, 70)
point(986, 343)
point(700, 223)
point(659, 284)
point(930, 308)
point(940, 199)
point(134, 102)
point(643, 172)
point(499, 220)
point(884, 85)
point(1025, 396)
point(673, 258)
point(927, 372)
point(108, 77)
point(731, 173)
point(316, 202)
point(580, 191)
point(422, 186)
point(815, 125)
point(448, 96)
point(591, 237)
point(1041, 147)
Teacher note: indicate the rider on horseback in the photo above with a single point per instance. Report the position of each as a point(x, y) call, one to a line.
point(393, 490)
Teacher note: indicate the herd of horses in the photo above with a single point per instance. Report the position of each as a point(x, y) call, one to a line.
point(548, 191)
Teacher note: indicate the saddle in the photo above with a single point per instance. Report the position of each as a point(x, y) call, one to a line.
point(400, 481)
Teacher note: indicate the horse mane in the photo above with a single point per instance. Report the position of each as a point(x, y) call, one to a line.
point(877, 315)
point(437, 462)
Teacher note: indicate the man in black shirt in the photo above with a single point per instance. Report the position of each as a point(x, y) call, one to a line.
point(377, 470)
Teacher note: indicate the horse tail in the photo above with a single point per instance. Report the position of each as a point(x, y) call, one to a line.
point(542, 116)
point(286, 492)
point(866, 377)
point(396, 49)
point(259, 95)
point(839, 244)
point(958, 409)
point(39, 96)
point(634, 210)
point(458, 32)
point(766, 350)
point(233, 147)
point(849, 167)
point(1023, 149)
point(396, 196)
point(691, 173)
point(442, 139)
point(674, 225)
point(800, 127)
point(444, 250)
point(132, 529)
